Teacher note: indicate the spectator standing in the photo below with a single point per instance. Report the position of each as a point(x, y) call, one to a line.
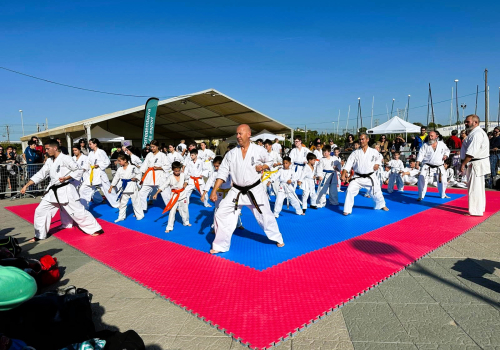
point(12, 169)
point(145, 151)
point(463, 135)
point(222, 149)
point(349, 144)
point(3, 173)
point(83, 147)
point(419, 140)
point(454, 142)
point(63, 149)
point(384, 148)
point(494, 153)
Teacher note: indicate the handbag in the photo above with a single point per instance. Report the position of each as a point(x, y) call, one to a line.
point(11, 244)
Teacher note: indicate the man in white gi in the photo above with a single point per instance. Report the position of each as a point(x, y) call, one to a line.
point(59, 194)
point(298, 155)
point(243, 163)
point(365, 161)
point(277, 146)
point(432, 154)
point(475, 154)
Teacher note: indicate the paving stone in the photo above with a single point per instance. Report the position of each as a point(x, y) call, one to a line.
point(134, 290)
point(196, 327)
point(318, 344)
point(472, 250)
point(481, 322)
point(371, 296)
point(487, 288)
point(373, 322)
point(445, 251)
point(383, 346)
point(160, 317)
point(430, 324)
point(466, 267)
point(404, 290)
point(332, 328)
point(446, 347)
point(449, 291)
point(427, 267)
point(157, 342)
point(201, 343)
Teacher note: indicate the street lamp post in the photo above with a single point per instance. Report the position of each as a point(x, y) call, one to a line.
point(463, 105)
point(333, 130)
point(456, 100)
point(22, 123)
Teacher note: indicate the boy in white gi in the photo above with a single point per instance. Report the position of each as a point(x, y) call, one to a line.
point(269, 175)
point(98, 161)
point(336, 153)
point(287, 179)
point(318, 151)
point(410, 175)
point(244, 163)
point(128, 176)
point(222, 191)
point(194, 178)
point(298, 155)
point(326, 171)
point(60, 194)
point(176, 183)
point(450, 174)
point(432, 155)
point(396, 166)
point(307, 183)
point(154, 169)
point(364, 161)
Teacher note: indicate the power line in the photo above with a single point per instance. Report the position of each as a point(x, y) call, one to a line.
point(80, 88)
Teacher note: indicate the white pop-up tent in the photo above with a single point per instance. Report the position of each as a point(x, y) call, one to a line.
point(102, 135)
point(264, 135)
point(395, 125)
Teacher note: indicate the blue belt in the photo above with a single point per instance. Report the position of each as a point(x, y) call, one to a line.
point(324, 178)
point(298, 164)
point(124, 185)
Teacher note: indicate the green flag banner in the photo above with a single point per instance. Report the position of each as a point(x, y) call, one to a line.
point(149, 121)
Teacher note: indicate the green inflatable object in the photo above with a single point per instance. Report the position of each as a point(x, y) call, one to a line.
point(16, 287)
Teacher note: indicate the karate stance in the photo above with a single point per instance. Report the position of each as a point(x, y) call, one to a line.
point(432, 155)
point(298, 156)
point(287, 180)
point(98, 161)
point(134, 160)
point(475, 153)
point(397, 167)
point(327, 173)
point(194, 176)
point(82, 161)
point(59, 194)
point(268, 176)
point(365, 161)
point(154, 170)
point(243, 163)
point(306, 181)
point(127, 176)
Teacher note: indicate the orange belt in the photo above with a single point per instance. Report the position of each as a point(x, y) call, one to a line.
point(173, 200)
point(146, 173)
point(196, 182)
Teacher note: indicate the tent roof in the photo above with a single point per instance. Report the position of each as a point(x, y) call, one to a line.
point(201, 115)
point(393, 126)
point(264, 134)
point(102, 135)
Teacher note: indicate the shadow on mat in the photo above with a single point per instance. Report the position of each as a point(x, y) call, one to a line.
point(207, 216)
point(391, 254)
point(403, 199)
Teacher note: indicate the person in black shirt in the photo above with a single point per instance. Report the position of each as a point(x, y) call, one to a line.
point(494, 153)
point(63, 149)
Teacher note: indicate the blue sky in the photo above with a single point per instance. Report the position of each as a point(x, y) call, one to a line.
point(296, 62)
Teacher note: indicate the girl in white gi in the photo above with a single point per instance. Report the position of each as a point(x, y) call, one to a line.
point(60, 194)
point(432, 155)
point(306, 182)
point(82, 161)
point(154, 170)
point(173, 156)
point(269, 175)
point(222, 191)
point(298, 155)
point(134, 160)
point(364, 161)
point(287, 179)
point(98, 161)
point(397, 167)
point(178, 202)
point(193, 172)
point(336, 153)
point(327, 173)
point(128, 176)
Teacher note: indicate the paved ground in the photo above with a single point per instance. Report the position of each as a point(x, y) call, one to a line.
point(448, 300)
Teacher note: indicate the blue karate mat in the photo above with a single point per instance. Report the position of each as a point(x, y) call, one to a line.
point(302, 234)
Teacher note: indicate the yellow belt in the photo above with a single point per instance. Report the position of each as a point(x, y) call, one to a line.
point(267, 174)
point(224, 190)
point(92, 173)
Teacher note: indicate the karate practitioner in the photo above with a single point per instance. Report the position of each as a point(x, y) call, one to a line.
point(298, 155)
point(410, 175)
point(277, 146)
point(432, 154)
point(128, 176)
point(243, 163)
point(154, 170)
point(307, 183)
point(475, 154)
point(173, 156)
point(98, 161)
point(206, 156)
point(326, 171)
point(194, 172)
point(59, 194)
point(450, 174)
point(286, 179)
point(134, 160)
point(269, 175)
point(82, 161)
point(397, 167)
point(365, 161)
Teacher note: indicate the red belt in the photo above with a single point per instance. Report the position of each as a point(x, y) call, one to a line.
point(196, 182)
point(146, 173)
point(173, 200)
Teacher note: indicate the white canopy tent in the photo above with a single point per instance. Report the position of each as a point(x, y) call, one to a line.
point(395, 125)
point(264, 135)
point(102, 135)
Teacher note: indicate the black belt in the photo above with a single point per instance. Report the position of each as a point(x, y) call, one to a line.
point(54, 188)
point(434, 167)
point(476, 159)
point(245, 190)
point(369, 175)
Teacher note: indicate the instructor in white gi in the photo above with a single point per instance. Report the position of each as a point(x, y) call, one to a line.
point(60, 195)
point(365, 161)
point(475, 154)
point(243, 163)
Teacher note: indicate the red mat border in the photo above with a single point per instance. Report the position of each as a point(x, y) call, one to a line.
point(262, 308)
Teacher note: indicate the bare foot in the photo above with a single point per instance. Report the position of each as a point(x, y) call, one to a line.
point(167, 231)
point(212, 251)
point(241, 227)
point(98, 233)
point(419, 199)
point(33, 240)
point(345, 214)
point(385, 209)
point(280, 245)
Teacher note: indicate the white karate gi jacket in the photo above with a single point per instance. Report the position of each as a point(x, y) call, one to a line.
point(363, 162)
point(152, 160)
point(276, 148)
point(82, 163)
point(477, 145)
point(307, 179)
point(282, 178)
point(427, 155)
point(298, 156)
point(193, 169)
point(396, 165)
point(175, 185)
point(129, 173)
point(100, 158)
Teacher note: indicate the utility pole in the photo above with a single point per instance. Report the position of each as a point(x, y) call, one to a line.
point(456, 101)
point(486, 105)
point(477, 93)
point(451, 105)
point(338, 123)
point(371, 122)
point(46, 124)
point(408, 110)
point(392, 108)
point(8, 133)
point(357, 116)
point(305, 136)
point(37, 127)
point(347, 123)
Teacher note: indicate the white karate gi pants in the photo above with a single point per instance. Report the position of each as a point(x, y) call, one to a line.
point(395, 178)
point(332, 190)
point(71, 211)
point(88, 192)
point(146, 190)
point(191, 187)
point(359, 183)
point(136, 205)
point(220, 197)
point(182, 207)
point(306, 194)
point(424, 178)
point(278, 205)
point(226, 218)
point(476, 192)
point(410, 179)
